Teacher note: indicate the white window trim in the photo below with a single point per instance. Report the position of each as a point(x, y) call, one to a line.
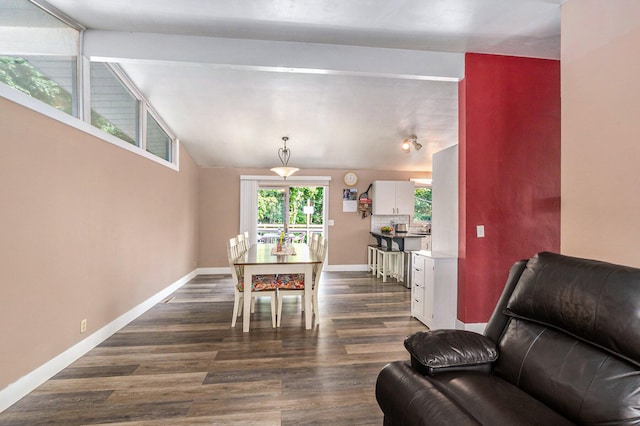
point(33, 104)
point(144, 107)
point(82, 100)
point(173, 152)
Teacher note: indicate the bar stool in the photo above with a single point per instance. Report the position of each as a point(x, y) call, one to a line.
point(387, 262)
point(372, 258)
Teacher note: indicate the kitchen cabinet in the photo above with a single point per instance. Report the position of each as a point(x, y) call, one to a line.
point(434, 289)
point(393, 197)
point(425, 243)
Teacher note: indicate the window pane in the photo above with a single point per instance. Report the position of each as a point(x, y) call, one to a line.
point(158, 142)
point(113, 108)
point(422, 208)
point(299, 197)
point(49, 79)
point(25, 29)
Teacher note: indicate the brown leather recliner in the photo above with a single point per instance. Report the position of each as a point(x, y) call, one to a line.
point(562, 347)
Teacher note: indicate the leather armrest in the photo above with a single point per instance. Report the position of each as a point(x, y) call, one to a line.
point(445, 350)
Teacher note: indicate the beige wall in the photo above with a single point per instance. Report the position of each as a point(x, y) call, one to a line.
point(88, 230)
point(600, 71)
point(220, 213)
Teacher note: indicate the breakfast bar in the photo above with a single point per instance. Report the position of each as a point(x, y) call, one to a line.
point(406, 241)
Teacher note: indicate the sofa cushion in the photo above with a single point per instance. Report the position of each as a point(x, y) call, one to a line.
point(440, 350)
point(493, 401)
point(470, 398)
point(587, 385)
point(594, 301)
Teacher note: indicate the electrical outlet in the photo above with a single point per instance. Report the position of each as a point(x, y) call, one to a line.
point(83, 325)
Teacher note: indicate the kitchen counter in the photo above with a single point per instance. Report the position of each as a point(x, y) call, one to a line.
point(396, 237)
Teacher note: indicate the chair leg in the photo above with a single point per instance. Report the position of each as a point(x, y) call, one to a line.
point(374, 269)
point(279, 318)
point(253, 305)
point(273, 298)
point(237, 307)
point(385, 268)
point(314, 300)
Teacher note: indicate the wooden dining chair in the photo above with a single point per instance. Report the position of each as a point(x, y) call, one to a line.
point(261, 285)
point(293, 284)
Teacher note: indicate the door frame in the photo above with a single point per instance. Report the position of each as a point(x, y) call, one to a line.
point(249, 185)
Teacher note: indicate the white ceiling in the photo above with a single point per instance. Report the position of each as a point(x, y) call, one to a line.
point(346, 81)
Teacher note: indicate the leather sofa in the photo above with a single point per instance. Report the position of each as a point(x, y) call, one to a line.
point(561, 347)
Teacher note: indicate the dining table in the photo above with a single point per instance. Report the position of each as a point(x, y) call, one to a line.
point(262, 259)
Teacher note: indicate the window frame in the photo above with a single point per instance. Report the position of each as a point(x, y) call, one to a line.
point(82, 100)
point(148, 110)
point(130, 89)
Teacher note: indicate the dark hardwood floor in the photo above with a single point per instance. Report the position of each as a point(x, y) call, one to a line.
point(181, 363)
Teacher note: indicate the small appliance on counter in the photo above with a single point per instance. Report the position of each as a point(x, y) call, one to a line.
point(401, 228)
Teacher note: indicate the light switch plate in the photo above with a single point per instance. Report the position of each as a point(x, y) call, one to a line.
point(480, 231)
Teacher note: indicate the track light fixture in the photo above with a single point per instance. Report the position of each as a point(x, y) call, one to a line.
point(411, 140)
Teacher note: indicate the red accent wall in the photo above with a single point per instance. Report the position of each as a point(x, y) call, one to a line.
point(509, 172)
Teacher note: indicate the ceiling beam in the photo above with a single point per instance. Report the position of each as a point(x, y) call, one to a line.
point(276, 56)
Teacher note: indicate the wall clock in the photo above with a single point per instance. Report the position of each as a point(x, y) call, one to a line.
point(350, 179)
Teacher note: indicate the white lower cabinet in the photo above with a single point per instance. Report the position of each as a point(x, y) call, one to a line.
point(434, 290)
point(417, 287)
point(425, 243)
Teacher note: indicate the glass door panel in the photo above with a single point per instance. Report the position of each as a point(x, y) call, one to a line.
point(297, 210)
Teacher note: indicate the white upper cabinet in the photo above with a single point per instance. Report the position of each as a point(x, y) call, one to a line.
point(393, 197)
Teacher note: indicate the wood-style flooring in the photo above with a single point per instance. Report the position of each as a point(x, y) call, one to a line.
point(181, 363)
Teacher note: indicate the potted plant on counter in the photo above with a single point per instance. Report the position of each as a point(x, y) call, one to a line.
point(386, 229)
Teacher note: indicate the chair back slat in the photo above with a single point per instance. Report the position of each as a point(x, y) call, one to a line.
point(232, 254)
point(313, 242)
point(242, 243)
point(322, 254)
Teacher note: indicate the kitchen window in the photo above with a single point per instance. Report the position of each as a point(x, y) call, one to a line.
point(422, 204)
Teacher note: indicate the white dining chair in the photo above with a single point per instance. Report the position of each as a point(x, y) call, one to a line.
point(263, 285)
point(294, 285)
point(313, 242)
point(242, 243)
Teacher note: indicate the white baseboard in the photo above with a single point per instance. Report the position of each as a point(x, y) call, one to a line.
point(477, 327)
point(334, 268)
point(214, 271)
point(21, 387)
point(346, 268)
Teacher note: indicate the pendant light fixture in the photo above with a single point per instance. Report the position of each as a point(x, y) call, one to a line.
point(284, 154)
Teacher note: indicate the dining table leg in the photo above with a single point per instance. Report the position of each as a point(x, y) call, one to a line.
point(246, 300)
point(308, 291)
